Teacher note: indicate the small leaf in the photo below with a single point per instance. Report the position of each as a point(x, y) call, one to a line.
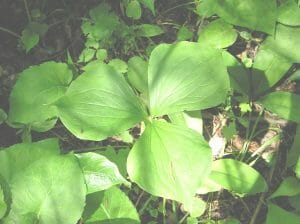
point(119, 65)
point(29, 39)
point(37, 88)
point(149, 4)
point(148, 30)
point(114, 208)
point(185, 76)
point(155, 162)
point(218, 34)
point(43, 183)
point(277, 215)
point(87, 55)
point(101, 54)
point(237, 177)
point(290, 186)
point(197, 208)
point(134, 9)
point(184, 34)
point(289, 13)
point(99, 103)
point(100, 173)
point(284, 104)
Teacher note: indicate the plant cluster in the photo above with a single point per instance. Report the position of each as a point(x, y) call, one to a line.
point(162, 89)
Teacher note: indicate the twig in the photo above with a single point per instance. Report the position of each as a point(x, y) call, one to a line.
point(27, 11)
point(10, 32)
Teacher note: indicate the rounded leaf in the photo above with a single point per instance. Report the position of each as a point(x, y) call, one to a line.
point(134, 9)
point(185, 76)
point(168, 168)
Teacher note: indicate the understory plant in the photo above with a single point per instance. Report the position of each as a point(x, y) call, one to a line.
point(163, 96)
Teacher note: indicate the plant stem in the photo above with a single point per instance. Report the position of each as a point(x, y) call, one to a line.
point(183, 218)
point(10, 32)
point(141, 211)
point(27, 11)
point(164, 211)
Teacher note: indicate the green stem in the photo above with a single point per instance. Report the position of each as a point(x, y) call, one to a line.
point(10, 32)
point(27, 11)
point(141, 211)
point(183, 218)
point(164, 211)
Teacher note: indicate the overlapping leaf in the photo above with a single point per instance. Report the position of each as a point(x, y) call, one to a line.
point(168, 168)
point(111, 206)
point(36, 89)
point(99, 103)
point(185, 76)
point(43, 184)
point(237, 177)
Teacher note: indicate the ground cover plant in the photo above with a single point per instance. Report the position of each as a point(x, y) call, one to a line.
point(143, 111)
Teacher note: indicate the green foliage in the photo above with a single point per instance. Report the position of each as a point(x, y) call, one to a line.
point(148, 30)
point(137, 74)
point(134, 9)
point(289, 13)
point(198, 71)
point(277, 215)
point(155, 161)
point(288, 187)
point(3, 206)
point(218, 34)
point(100, 174)
point(34, 173)
point(284, 104)
point(115, 208)
point(237, 177)
point(98, 104)
point(32, 98)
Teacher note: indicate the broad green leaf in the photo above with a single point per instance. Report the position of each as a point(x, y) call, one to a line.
point(149, 4)
point(185, 76)
point(155, 162)
point(103, 22)
point(100, 173)
point(218, 34)
point(290, 186)
point(284, 104)
point(289, 13)
point(277, 215)
point(119, 157)
point(138, 74)
point(99, 103)
point(208, 186)
point(148, 30)
point(134, 9)
point(285, 43)
point(239, 77)
point(119, 65)
point(294, 152)
point(32, 97)
point(3, 206)
point(237, 177)
point(114, 208)
point(206, 8)
point(268, 69)
point(255, 14)
point(184, 34)
point(190, 119)
point(43, 183)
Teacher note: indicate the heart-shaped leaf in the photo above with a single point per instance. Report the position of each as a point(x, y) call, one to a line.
point(31, 100)
point(46, 187)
